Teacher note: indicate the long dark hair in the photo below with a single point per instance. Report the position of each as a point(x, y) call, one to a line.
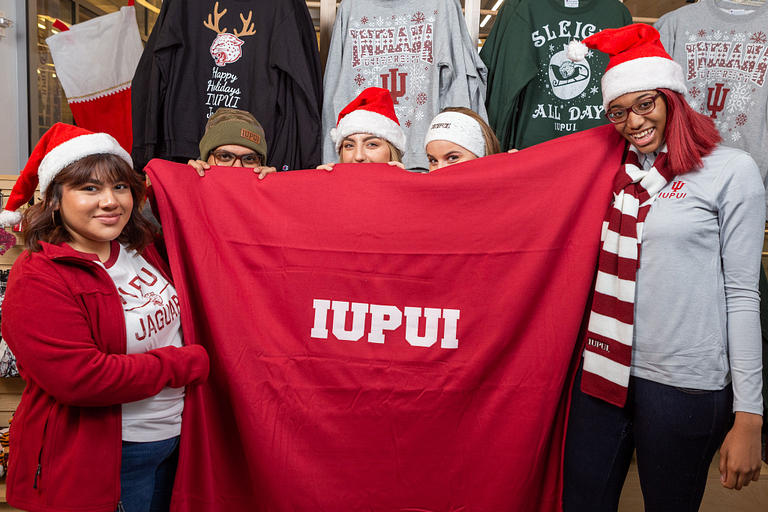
point(690, 136)
point(42, 222)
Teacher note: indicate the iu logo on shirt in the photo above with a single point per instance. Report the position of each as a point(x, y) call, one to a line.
point(395, 91)
point(716, 99)
point(677, 186)
point(226, 47)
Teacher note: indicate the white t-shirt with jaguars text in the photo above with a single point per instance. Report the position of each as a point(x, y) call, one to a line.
point(152, 321)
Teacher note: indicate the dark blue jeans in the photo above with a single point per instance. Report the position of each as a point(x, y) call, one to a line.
point(675, 431)
point(146, 475)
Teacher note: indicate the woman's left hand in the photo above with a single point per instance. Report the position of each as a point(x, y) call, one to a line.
point(740, 461)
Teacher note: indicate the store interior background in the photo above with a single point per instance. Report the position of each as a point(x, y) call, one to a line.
point(31, 98)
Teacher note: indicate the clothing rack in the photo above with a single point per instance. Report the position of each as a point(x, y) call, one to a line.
point(472, 13)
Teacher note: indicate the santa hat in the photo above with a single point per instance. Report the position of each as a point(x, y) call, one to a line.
point(60, 146)
point(638, 61)
point(371, 112)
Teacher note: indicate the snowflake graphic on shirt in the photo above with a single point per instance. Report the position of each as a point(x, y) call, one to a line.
point(723, 70)
point(398, 58)
point(739, 98)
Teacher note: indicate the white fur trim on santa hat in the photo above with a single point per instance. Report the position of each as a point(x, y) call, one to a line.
point(457, 128)
point(9, 218)
point(73, 150)
point(643, 74)
point(364, 121)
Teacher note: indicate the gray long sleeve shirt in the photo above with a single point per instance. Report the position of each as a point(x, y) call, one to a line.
point(723, 49)
point(697, 306)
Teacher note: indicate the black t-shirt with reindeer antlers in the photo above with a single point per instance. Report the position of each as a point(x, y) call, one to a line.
point(254, 55)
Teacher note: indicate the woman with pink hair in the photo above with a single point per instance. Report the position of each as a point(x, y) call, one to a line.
point(673, 348)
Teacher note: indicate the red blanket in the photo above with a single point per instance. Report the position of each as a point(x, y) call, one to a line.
point(383, 340)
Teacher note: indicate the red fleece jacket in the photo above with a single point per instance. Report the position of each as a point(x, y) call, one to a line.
point(63, 320)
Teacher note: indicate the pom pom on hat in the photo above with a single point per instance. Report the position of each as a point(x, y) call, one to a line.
point(576, 51)
point(638, 61)
point(60, 146)
point(371, 112)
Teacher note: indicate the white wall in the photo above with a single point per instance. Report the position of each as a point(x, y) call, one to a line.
point(13, 97)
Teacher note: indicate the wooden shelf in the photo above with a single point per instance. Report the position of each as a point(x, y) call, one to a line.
point(10, 396)
point(6, 184)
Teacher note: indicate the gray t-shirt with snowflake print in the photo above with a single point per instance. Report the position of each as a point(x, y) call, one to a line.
point(723, 49)
point(418, 49)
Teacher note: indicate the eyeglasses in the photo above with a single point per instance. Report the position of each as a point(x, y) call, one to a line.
point(227, 159)
point(642, 108)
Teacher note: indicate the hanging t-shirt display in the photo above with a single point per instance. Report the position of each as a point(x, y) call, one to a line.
point(723, 49)
point(536, 93)
point(419, 50)
point(258, 56)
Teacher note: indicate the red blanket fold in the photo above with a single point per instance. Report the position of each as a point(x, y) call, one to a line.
point(383, 340)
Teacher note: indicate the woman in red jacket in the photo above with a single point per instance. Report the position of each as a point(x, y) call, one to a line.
point(93, 319)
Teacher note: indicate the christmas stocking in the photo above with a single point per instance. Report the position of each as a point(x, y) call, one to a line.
point(95, 62)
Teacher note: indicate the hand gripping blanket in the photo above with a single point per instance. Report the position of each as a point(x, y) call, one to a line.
point(384, 340)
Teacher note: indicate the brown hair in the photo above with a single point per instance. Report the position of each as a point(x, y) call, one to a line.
point(42, 223)
point(395, 155)
point(492, 145)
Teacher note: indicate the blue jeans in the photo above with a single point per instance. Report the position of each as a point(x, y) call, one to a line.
point(675, 431)
point(146, 475)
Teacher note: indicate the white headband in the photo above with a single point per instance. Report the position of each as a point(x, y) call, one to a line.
point(457, 128)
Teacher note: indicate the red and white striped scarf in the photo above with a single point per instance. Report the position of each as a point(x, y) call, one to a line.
point(608, 352)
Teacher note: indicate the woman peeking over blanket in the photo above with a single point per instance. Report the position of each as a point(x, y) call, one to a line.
point(458, 134)
point(93, 318)
point(233, 138)
point(673, 341)
point(368, 131)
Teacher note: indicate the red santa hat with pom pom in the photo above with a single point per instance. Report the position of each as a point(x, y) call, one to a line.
point(371, 112)
point(638, 61)
point(62, 145)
